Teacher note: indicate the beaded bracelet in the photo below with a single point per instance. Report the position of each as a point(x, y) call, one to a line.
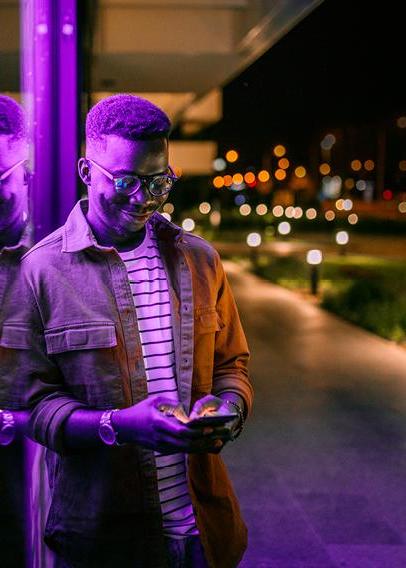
point(238, 431)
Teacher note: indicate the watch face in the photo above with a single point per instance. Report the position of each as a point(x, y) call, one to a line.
point(6, 435)
point(107, 434)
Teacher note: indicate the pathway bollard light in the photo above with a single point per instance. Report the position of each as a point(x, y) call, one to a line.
point(314, 258)
point(253, 241)
point(342, 239)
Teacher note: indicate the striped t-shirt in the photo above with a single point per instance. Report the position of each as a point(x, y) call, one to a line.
point(149, 286)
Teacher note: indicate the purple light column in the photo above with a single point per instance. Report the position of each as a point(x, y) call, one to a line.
point(49, 80)
point(49, 89)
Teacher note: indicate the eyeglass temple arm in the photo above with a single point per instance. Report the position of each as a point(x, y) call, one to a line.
point(5, 174)
point(105, 172)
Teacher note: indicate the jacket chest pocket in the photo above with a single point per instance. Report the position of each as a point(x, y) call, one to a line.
point(206, 321)
point(86, 354)
point(206, 324)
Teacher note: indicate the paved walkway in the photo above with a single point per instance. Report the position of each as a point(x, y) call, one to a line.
point(321, 468)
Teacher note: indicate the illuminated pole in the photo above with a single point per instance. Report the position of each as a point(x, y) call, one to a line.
point(50, 94)
point(253, 241)
point(314, 258)
point(342, 239)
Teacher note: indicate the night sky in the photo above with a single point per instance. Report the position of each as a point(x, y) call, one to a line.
point(342, 66)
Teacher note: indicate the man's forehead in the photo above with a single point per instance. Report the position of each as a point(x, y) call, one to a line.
point(121, 154)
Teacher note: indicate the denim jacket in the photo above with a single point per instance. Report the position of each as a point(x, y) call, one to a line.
point(82, 349)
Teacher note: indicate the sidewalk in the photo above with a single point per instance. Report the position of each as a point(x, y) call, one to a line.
point(320, 470)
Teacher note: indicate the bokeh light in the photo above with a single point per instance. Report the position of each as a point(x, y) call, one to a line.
point(283, 163)
point(284, 228)
point(254, 240)
point(342, 237)
point(328, 142)
point(215, 218)
point(167, 216)
point(387, 194)
point(238, 179)
point(356, 165)
point(261, 209)
point(298, 213)
point(339, 204)
point(349, 183)
point(188, 224)
point(205, 207)
point(314, 256)
point(324, 169)
point(263, 176)
point(239, 199)
point(279, 150)
point(168, 208)
point(277, 211)
point(402, 207)
point(232, 156)
point(300, 172)
point(290, 212)
point(249, 177)
point(280, 174)
point(402, 165)
point(228, 180)
point(353, 219)
point(218, 182)
point(369, 165)
point(311, 213)
point(347, 204)
point(361, 185)
point(219, 164)
point(330, 215)
point(245, 209)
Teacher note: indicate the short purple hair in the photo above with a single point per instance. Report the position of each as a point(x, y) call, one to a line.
point(12, 119)
point(127, 116)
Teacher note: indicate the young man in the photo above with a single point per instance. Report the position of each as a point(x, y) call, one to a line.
point(134, 327)
point(14, 242)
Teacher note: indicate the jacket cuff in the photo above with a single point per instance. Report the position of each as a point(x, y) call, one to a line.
point(245, 390)
point(47, 422)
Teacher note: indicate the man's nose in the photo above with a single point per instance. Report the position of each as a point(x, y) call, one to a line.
point(142, 196)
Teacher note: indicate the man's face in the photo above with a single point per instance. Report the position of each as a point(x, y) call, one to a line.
point(118, 213)
point(13, 190)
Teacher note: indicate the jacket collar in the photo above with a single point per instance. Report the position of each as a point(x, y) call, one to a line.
point(24, 244)
point(77, 234)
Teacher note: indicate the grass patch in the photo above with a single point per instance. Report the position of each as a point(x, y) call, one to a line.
point(368, 291)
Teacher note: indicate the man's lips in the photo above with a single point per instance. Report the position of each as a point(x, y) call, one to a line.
point(137, 215)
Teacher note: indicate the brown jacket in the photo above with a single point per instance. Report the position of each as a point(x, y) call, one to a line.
point(83, 350)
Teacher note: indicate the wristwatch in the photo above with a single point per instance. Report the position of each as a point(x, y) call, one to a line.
point(106, 430)
point(7, 428)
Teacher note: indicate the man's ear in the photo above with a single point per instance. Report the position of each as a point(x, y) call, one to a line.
point(84, 171)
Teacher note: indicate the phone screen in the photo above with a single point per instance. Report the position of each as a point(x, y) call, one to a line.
point(212, 419)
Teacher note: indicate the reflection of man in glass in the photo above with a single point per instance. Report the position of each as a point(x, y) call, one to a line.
point(14, 242)
point(134, 326)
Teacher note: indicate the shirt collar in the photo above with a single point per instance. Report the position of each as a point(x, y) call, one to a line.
point(77, 234)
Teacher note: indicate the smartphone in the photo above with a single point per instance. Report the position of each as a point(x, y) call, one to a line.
point(212, 419)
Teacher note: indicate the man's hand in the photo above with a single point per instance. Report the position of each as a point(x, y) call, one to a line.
point(213, 403)
point(145, 424)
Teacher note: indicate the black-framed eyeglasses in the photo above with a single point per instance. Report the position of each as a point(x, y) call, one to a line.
point(10, 170)
point(158, 185)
